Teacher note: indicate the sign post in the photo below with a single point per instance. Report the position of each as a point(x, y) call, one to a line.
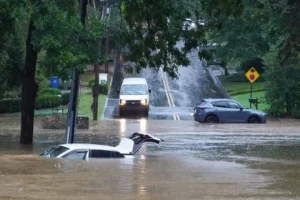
point(252, 75)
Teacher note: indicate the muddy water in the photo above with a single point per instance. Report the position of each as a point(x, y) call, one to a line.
point(195, 161)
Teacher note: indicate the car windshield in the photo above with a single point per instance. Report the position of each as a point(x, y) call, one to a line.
point(54, 151)
point(133, 89)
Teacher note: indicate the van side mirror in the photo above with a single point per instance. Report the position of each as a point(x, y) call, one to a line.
point(118, 91)
point(149, 91)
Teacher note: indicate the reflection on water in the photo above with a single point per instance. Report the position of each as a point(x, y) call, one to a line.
point(143, 125)
point(122, 126)
point(188, 165)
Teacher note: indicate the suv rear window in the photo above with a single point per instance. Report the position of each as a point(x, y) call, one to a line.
point(205, 104)
point(220, 104)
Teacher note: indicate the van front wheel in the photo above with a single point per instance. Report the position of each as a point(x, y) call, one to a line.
point(121, 113)
point(146, 113)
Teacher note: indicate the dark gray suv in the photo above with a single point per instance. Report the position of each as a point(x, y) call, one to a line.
point(226, 111)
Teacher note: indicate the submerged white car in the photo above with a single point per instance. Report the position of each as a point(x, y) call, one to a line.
point(126, 148)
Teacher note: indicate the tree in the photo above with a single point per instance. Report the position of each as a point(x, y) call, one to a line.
point(242, 39)
point(152, 30)
point(54, 30)
point(12, 40)
point(269, 32)
point(282, 87)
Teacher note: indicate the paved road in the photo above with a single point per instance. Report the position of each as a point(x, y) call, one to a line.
point(172, 98)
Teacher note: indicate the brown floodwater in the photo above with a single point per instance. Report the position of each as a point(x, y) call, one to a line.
point(195, 161)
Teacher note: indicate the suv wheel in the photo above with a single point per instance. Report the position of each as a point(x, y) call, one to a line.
point(254, 120)
point(211, 119)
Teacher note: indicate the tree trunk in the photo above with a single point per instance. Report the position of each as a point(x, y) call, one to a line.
point(29, 89)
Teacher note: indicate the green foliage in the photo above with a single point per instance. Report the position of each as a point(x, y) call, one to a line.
point(10, 105)
point(12, 39)
point(50, 91)
point(152, 29)
point(41, 80)
point(12, 94)
point(245, 91)
point(65, 42)
point(257, 63)
point(65, 98)
point(48, 101)
point(103, 87)
point(295, 113)
point(282, 88)
point(91, 82)
point(240, 77)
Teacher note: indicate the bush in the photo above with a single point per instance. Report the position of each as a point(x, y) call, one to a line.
point(240, 77)
point(44, 101)
point(91, 83)
point(50, 91)
point(10, 105)
point(103, 87)
point(245, 91)
point(48, 101)
point(295, 112)
point(65, 98)
point(12, 94)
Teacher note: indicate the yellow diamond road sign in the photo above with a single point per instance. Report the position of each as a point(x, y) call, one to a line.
point(252, 75)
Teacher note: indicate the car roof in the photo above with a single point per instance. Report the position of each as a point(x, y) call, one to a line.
point(217, 99)
point(75, 146)
point(134, 81)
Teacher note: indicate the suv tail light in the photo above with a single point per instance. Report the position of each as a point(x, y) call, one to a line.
point(201, 108)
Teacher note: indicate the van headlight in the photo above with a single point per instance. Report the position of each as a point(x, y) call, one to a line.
point(144, 102)
point(122, 102)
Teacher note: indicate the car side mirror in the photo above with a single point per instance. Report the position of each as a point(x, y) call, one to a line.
point(149, 91)
point(241, 108)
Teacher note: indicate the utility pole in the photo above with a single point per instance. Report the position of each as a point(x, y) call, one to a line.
point(96, 71)
point(107, 40)
point(72, 108)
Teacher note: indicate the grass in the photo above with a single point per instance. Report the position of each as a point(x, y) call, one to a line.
point(244, 98)
point(232, 86)
point(84, 104)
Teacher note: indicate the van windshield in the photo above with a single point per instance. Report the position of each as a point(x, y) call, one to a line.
point(133, 89)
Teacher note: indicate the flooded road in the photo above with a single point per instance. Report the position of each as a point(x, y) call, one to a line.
point(195, 161)
point(169, 98)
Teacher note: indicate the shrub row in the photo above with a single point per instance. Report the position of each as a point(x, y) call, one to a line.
point(10, 105)
point(242, 78)
point(48, 101)
point(65, 97)
point(50, 91)
point(43, 101)
point(244, 91)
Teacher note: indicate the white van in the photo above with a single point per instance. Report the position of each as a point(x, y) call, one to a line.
point(134, 96)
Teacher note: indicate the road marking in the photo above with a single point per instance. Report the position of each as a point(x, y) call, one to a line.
point(168, 93)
